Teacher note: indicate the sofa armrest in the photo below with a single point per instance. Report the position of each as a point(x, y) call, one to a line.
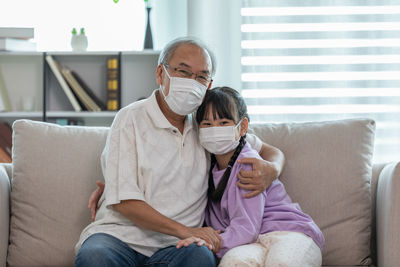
point(388, 215)
point(4, 213)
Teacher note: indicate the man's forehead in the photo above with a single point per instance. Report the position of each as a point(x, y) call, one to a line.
point(186, 55)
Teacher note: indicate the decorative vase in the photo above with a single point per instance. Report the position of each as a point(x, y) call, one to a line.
point(148, 39)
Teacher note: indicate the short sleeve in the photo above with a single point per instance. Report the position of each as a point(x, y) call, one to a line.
point(119, 162)
point(254, 142)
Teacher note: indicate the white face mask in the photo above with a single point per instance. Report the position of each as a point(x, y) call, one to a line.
point(185, 95)
point(219, 140)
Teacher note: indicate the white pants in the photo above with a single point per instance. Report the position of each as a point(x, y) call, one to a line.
point(281, 248)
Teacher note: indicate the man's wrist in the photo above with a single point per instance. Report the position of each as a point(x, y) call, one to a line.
point(182, 232)
point(276, 169)
point(272, 169)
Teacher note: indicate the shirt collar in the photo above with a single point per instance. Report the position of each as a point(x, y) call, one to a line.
point(159, 118)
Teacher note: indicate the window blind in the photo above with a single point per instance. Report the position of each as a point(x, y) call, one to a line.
point(324, 60)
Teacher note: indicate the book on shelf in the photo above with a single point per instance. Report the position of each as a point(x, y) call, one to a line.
point(56, 69)
point(5, 104)
point(14, 44)
point(4, 157)
point(6, 140)
point(17, 32)
point(6, 147)
point(89, 91)
point(84, 98)
point(113, 86)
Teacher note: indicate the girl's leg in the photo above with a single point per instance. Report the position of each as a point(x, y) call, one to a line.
point(251, 255)
point(290, 249)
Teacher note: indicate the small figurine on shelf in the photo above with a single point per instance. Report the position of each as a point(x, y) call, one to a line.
point(79, 42)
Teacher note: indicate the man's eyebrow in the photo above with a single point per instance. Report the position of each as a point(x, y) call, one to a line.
point(182, 64)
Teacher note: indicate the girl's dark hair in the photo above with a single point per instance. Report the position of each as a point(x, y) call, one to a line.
point(227, 103)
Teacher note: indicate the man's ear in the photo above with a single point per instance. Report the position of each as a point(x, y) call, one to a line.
point(159, 74)
point(244, 126)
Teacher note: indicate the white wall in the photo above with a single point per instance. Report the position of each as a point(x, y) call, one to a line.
point(168, 21)
point(217, 23)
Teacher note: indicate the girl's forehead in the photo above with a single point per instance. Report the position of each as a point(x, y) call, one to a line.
point(214, 117)
point(212, 113)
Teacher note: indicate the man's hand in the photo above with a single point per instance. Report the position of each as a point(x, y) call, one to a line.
point(190, 240)
point(259, 179)
point(209, 235)
point(94, 199)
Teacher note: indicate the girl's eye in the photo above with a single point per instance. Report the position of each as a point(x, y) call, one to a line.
point(205, 124)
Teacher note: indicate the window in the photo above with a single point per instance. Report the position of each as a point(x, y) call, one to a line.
point(324, 60)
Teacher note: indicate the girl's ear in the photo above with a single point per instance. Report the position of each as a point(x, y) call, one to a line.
point(244, 126)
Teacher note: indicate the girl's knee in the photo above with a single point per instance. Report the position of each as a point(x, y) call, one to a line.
point(244, 256)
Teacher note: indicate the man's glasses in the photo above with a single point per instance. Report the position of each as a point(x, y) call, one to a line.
point(202, 78)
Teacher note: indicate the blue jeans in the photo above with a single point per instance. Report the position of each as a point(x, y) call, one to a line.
point(106, 250)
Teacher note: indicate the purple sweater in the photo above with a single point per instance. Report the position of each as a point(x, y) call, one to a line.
point(242, 220)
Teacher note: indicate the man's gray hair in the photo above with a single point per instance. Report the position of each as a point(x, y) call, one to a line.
point(170, 48)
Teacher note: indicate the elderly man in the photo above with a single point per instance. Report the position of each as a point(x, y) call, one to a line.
point(155, 172)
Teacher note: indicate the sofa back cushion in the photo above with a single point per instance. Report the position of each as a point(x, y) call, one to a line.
point(55, 170)
point(328, 170)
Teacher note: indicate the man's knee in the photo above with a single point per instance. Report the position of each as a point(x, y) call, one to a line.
point(200, 255)
point(93, 255)
point(105, 250)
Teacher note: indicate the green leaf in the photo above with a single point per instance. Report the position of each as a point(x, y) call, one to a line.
point(115, 1)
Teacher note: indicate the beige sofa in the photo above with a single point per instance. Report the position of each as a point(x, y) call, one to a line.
point(329, 171)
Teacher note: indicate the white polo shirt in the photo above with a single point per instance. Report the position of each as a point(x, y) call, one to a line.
point(146, 158)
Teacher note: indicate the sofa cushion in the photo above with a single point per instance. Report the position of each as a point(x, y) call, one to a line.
point(328, 169)
point(55, 169)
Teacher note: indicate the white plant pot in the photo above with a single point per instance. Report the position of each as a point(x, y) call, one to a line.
point(79, 42)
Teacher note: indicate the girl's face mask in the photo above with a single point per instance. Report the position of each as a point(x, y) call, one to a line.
point(219, 140)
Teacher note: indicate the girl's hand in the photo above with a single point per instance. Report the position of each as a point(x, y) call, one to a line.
point(190, 240)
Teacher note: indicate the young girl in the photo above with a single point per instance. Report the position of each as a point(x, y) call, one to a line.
point(276, 231)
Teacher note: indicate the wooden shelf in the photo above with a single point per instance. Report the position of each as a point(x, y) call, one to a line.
point(83, 53)
point(21, 53)
point(28, 79)
point(82, 114)
point(143, 52)
point(21, 114)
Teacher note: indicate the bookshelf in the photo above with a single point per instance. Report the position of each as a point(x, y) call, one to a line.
point(35, 93)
